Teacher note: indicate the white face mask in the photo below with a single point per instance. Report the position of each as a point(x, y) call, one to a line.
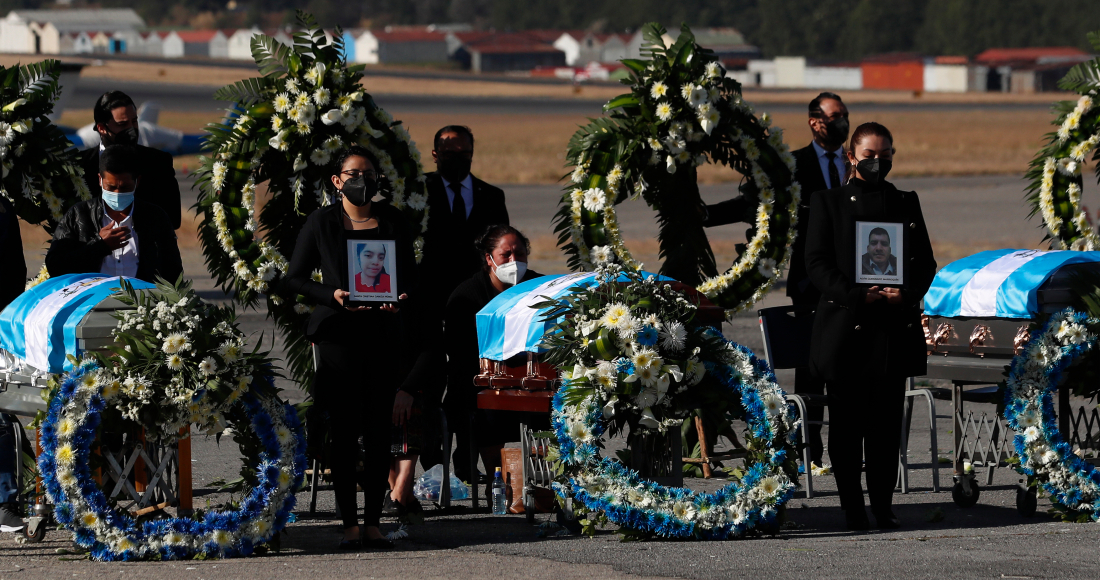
point(510, 273)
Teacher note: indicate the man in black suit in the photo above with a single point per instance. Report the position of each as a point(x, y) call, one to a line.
point(116, 121)
point(461, 208)
point(819, 166)
point(879, 261)
point(116, 233)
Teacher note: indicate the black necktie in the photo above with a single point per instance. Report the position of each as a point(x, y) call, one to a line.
point(834, 175)
point(458, 207)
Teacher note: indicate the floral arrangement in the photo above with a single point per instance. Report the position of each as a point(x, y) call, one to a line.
point(632, 357)
point(682, 112)
point(178, 362)
point(69, 433)
point(185, 361)
point(287, 127)
point(1055, 173)
point(40, 172)
point(1043, 452)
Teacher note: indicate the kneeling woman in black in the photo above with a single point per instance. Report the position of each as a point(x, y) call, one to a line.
point(363, 353)
point(867, 336)
point(504, 251)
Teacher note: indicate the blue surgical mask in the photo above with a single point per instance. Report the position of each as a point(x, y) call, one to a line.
point(118, 200)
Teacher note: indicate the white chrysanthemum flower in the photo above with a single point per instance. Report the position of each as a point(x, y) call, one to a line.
point(685, 90)
point(674, 336)
point(282, 102)
point(664, 111)
point(578, 174)
point(594, 199)
point(713, 70)
point(698, 97)
point(175, 362)
point(614, 315)
point(770, 485)
point(578, 431)
point(322, 96)
point(320, 157)
point(683, 510)
point(658, 90)
point(173, 343)
point(767, 268)
point(601, 254)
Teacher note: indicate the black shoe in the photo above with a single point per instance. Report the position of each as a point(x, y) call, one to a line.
point(9, 521)
point(378, 544)
point(390, 507)
point(855, 519)
point(886, 519)
point(351, 544)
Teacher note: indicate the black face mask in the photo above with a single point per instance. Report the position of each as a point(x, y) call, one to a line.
point(454, 168)
point(836, 131)
point(124, 137)
point(359, 190)
point(874, 170)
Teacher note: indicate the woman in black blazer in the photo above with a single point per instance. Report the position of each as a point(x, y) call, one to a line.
point(867, 337)
point(363, 353)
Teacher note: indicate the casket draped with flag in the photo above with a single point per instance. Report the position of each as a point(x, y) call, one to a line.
point(978, 308)
point(65, 315)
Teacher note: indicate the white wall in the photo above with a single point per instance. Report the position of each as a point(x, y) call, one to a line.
point(172, 45)
point(219, 46)
point(613, 49)
point(239, 45)
point(764, 71)
point(570, 46)
point(790, 72)
point(834, 77)
point(945, 78)
point(15, 36)
point(366, 48)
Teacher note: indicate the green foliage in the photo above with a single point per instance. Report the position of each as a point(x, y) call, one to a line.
point(40, 172)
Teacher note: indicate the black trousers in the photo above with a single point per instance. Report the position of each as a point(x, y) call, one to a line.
point(355, 386)
point(865, 417)
point(807, 383)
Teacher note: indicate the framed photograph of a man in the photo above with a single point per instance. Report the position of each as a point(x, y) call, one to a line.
point(879, 249)
point(372, 271)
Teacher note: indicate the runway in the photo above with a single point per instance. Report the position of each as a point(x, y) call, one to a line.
point(180, 97)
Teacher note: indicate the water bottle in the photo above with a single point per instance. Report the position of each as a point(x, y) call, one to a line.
point(500, 501)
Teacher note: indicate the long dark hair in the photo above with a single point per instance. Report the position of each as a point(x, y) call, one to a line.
point(490, 239)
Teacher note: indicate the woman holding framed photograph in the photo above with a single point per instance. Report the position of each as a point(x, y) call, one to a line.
point(868, 252)
point(363, 347)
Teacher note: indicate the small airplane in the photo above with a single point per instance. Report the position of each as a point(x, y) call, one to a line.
point(149, 134)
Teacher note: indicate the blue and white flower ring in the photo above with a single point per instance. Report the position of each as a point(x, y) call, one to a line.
point(1033, 381)
point(67, 436)
point(606, 485)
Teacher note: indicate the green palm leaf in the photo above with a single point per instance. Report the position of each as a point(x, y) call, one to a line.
point(271, 55)
point(248, 91)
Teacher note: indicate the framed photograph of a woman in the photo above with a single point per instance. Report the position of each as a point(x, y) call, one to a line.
point(878, 253)
point(372, 273)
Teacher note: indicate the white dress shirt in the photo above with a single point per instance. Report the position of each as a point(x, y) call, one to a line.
point(123, 261)
point(824, 162)
point(467, 193)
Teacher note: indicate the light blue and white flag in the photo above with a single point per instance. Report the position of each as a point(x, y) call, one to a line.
point(39, 327)
point(508, 325)
point(997, 283)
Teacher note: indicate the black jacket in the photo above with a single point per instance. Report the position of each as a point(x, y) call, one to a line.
point(850, 337)
point(322, 244)
point(158, 180)
point(460, 336)
point(77, 248)
point(808, 174)
point(449, 254)
point(12, 262)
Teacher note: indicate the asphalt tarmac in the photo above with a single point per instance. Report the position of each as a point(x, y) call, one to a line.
point(180, 97)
